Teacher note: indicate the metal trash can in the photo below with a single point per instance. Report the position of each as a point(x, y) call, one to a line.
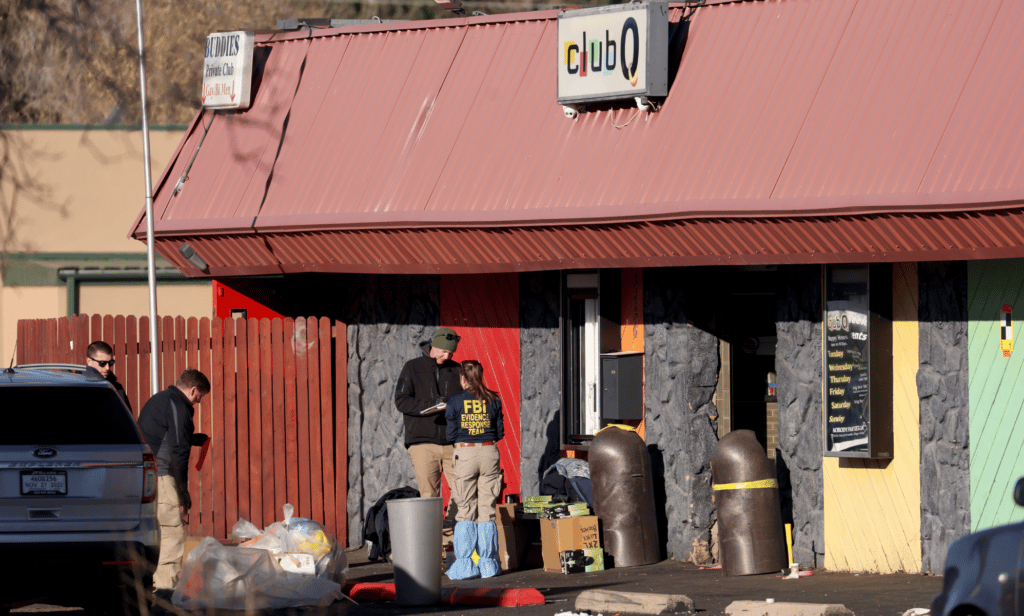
point(623, 488)
point(750, 531)
point(415, 527)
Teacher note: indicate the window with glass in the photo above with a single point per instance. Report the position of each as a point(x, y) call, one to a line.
point(591, 310)
point(858, 360)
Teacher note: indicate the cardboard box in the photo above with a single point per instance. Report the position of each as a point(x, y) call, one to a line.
point(580, 561)
point(190, 544)
point(516, 539)
point(566, 534)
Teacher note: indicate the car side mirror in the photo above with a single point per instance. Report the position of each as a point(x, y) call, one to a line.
point(1018, 492)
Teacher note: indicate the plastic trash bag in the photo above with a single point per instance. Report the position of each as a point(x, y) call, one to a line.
point(236, 578)
point(299, 535)
point(244, 529)
point(294, 563)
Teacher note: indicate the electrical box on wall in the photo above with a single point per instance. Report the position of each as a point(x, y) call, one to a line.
point(622, 385)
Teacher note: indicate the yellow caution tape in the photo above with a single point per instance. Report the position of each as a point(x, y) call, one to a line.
point(746, 485)
point(619, 426)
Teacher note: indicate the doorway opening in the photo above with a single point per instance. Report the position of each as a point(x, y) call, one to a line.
point(750, 358)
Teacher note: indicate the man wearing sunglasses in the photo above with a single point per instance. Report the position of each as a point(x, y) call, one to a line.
point(424, 387)
point(100, 356)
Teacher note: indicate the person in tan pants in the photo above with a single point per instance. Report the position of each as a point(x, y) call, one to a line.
point(424, 386)
point(475, 425)
point(166, 423)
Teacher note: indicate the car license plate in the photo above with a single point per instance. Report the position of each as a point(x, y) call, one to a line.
point(44, 483)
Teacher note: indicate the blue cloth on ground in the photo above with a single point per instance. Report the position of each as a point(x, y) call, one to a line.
point(487, 549)
point(465, 542)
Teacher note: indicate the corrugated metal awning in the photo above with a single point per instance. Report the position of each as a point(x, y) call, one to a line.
point(795, 131)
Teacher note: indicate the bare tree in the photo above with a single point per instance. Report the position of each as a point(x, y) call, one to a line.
point(76, 62)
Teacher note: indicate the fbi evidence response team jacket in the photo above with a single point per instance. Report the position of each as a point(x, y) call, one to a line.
point(471, 420)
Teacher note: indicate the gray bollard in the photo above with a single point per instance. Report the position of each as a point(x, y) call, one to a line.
point(746, 492)
point(623, 487)
point(415, 526)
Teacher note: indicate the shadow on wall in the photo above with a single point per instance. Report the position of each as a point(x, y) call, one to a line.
point(660, 498)
point(552, 447)
point(785, 488)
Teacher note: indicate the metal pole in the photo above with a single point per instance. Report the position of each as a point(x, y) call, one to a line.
point(154, 355)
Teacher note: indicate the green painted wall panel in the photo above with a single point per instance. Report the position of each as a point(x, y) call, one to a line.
point(996, 391)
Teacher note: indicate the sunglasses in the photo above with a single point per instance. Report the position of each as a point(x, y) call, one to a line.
point(103, 363)
point(451, 337)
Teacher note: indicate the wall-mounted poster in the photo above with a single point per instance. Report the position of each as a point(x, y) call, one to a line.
point(858, 377)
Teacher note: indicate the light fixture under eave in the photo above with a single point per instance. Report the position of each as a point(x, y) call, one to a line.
point(193, 257)
point(455, 6)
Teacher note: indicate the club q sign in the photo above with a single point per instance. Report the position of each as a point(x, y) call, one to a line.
point(227, 70)
point(613, 52)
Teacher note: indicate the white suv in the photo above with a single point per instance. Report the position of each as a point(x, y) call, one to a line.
point(78, 521)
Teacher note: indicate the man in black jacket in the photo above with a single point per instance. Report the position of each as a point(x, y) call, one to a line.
point(424, 387)
point(166, 422)
point(100, 356)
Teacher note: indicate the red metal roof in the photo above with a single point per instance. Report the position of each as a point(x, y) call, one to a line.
point(795, 131)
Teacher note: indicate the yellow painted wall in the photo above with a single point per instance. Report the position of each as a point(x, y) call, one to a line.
point(80, 191)
point(171, 299)
point(873, 507)
point(25, 303)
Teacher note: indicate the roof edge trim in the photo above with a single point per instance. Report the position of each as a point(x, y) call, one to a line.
point(860, 205)
point(812, 207)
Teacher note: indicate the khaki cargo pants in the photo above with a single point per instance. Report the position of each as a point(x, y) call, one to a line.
point(172, 534)
point(477, 484)
point(429, 461)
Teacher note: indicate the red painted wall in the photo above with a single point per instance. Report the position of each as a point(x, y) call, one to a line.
point(226, 299)
point(484, 310)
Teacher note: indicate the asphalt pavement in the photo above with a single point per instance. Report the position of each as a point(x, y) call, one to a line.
point(711, 591)
point(864, 594)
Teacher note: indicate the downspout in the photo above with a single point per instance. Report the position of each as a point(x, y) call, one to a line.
point(71, 287)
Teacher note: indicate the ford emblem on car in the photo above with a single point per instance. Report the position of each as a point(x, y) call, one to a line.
point(45, 452)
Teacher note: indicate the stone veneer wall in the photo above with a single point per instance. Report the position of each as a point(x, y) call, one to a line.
point(541, 381)
point(387, 317)
point(681, 366)
point(799, 373)
point(942, 381)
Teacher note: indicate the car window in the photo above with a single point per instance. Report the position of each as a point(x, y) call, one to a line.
point(65, 416)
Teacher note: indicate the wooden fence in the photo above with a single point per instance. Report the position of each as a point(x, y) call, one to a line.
point(276, 415)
